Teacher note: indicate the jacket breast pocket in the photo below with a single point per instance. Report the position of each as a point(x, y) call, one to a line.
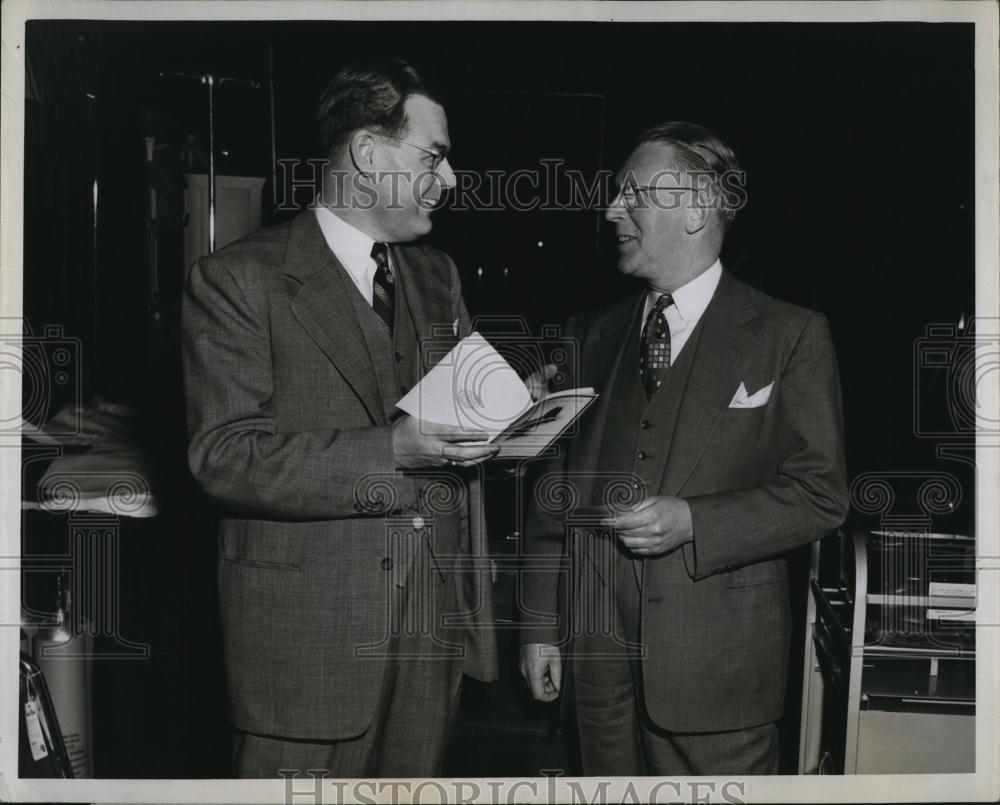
point(744, 432)
point(742, 415)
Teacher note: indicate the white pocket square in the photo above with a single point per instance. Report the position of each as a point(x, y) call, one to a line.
point(454, 327)
point(755, 400)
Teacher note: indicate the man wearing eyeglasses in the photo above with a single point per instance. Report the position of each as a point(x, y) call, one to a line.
point(720, 413)
point(353, 569)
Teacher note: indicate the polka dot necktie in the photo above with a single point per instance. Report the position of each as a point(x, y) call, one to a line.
point(654, 351)
point(383, 290)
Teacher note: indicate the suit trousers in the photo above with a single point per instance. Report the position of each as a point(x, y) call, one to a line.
point(617, 736)
point(416, 706)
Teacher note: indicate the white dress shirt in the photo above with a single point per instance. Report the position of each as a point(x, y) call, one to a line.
point(352, 247)
point(690, 301)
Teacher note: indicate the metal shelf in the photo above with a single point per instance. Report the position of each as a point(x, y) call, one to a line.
point(886, 687)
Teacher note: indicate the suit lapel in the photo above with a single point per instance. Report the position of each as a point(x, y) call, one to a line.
point(322, 305)
point(613, 330)
point(724, 348)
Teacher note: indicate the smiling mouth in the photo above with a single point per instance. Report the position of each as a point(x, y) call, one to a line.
point(623, 239)
point(430, 203)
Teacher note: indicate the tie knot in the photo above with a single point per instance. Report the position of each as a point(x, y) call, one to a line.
point(665, 301)
point(380, 254)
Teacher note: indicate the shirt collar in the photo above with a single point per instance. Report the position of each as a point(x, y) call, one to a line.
point(691, 299)
point(347, 242)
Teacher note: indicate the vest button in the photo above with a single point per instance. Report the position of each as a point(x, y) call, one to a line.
point(398, 356)
point(645, 424)
point(643, 455)
point(386, 563)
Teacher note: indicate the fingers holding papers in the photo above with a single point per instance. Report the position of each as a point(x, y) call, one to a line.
point(416, 443)
point(538, 382)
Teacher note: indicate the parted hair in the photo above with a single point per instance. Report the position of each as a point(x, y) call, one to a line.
point(369, 94)
point(700, 150)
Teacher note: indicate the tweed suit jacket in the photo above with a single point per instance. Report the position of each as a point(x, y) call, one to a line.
point(759, 481)
point(289, 436)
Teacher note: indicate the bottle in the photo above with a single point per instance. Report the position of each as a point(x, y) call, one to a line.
point(65, 660)
point(41, 751)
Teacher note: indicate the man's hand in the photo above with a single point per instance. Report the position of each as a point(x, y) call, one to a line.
point(416, 443)
point(541, 667)
point(656, 526)
point(538, 382)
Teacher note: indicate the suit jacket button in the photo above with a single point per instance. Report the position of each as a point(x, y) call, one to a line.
point(645, 424)
point(643, 455)
point(386, 563)
point(398, 356)
point(403, 389)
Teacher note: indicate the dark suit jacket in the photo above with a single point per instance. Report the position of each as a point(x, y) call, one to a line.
point(759, 481)
point(289, 436)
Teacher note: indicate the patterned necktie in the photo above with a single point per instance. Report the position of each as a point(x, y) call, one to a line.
point(654, 351)
point(383, 287)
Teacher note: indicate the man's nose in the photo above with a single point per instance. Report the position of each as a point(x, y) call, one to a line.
point(616, 209)
point(446, 175)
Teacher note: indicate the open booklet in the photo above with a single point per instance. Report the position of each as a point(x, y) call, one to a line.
point(474, 388)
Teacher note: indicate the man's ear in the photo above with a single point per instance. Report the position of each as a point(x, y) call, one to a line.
point(699, 212)
point(362, 151)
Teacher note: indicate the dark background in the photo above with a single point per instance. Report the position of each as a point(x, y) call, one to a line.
point(857, 141)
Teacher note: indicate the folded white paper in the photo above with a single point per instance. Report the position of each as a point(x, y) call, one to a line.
point(472, 387)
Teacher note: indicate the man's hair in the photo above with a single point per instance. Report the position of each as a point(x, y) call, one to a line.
point(702, 151)
point(368, 95)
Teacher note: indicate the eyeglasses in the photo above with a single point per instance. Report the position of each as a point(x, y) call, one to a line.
point(435, 157)
point(631, 194)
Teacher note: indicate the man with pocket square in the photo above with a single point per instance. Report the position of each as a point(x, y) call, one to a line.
point(720, 409)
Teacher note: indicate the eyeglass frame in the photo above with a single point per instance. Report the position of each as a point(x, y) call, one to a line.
point(646, 188)
point(439, 156)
